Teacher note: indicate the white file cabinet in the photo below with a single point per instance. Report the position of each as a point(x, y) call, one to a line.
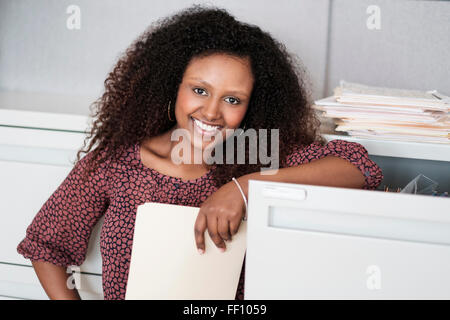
point(358, 244)
point(36, 155)
point(301, 247)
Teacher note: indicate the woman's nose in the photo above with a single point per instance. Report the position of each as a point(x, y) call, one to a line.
point(211, 110)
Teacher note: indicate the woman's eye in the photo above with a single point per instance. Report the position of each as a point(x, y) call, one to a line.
point(233, 100)
point(201, 90)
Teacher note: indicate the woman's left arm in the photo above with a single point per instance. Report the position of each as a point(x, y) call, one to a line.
point(329, 171)
point(338, 164)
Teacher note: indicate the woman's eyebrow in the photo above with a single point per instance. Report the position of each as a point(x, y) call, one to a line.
point(208, 84)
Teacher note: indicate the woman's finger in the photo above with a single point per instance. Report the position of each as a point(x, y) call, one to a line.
point(234, 226)
point(199, 232)
point(213, 233)
point(223, 228)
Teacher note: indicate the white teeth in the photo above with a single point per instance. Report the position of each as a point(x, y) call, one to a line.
point(205, 126)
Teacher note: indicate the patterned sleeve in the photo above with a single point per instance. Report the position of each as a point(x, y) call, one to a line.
point(351, 151)
point(60, 231)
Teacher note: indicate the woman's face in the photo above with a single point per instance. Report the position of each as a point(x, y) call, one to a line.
point(213, 96)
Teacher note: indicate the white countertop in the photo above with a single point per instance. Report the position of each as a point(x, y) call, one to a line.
point(45, 111)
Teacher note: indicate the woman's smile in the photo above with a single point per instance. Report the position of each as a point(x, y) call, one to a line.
point(205, 129)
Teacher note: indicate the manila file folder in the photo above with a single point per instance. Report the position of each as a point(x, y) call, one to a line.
point(165, 263)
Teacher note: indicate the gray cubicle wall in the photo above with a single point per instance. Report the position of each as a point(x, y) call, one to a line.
point(410, 49)
point(39, 53)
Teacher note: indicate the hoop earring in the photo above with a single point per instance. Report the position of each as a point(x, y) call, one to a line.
point(168, 112)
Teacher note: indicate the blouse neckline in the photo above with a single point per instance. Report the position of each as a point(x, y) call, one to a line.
point(137, 150)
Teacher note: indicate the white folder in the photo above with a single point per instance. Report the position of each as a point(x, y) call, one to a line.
point(165, 263)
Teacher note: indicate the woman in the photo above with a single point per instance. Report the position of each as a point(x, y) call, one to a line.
point(202, 71)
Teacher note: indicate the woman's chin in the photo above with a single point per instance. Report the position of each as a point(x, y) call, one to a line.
point(203, 142)
point(203, 146)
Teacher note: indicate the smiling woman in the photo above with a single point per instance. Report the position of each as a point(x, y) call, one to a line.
point(213, 96)
point(202, 71)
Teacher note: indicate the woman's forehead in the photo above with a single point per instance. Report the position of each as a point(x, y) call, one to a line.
point(221, 68)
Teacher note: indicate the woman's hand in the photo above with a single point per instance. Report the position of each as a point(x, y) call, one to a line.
point(221, 214)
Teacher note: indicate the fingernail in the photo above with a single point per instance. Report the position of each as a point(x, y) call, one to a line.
point(200, 251)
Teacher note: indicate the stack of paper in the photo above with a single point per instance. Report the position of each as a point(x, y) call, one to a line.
point(383, 113)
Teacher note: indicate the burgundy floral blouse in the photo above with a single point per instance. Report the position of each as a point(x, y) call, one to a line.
point(60, 231)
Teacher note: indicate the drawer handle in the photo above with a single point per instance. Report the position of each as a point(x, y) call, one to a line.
point(284, 193)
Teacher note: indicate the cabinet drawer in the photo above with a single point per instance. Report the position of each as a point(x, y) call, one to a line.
point(25, 188)
point(22, 282)
point(41, 138)
point(33, 163)
point(316, 242)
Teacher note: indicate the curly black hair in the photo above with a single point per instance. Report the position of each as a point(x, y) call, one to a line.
point(147, 75)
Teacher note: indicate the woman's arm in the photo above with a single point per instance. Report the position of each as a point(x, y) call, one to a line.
point(59, 234)
point(53, 279)
point(329, 171)
point(337, 164)
point(222, 212)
